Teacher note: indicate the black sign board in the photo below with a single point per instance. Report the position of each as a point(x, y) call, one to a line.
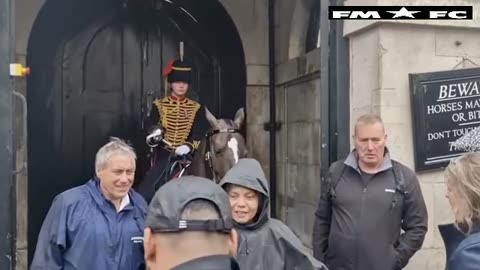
point(445, 106)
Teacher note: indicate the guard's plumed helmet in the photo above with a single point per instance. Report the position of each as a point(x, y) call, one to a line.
point(178, 71)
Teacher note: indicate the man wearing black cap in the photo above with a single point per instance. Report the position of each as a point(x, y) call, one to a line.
point(189, 227)
point(184, 121)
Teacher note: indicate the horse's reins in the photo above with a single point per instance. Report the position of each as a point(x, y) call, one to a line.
point(208, 155)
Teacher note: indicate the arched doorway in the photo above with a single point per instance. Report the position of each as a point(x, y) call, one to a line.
point(96, 67)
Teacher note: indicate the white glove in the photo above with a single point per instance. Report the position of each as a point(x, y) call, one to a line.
point(182, 150)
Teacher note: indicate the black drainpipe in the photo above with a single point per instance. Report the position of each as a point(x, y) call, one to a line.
point(272, 126)
point(339, 89)
point(325, 105)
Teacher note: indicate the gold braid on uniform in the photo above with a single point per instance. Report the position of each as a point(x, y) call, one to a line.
point(177, 117)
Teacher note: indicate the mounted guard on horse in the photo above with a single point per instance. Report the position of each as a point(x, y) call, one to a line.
point(179, 127)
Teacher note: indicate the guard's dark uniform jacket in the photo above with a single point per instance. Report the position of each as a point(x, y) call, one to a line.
point(184, 120)
point(185, 123)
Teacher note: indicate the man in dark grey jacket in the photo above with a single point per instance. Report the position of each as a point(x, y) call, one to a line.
point(365, 203)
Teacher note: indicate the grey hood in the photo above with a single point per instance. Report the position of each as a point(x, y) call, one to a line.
point(249, 173)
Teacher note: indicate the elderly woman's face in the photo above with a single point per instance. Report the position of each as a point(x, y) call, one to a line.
point(455, 203)
point(244, 203)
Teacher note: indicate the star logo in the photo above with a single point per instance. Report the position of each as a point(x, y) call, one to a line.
point(403, 13)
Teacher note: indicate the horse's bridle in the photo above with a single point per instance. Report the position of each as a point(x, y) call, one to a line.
point(208, 155)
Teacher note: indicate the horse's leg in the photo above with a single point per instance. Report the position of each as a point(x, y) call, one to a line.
point(197, 167)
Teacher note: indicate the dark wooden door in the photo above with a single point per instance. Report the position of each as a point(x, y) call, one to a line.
point(97, 88)
point(108, 77)
point(99, 93)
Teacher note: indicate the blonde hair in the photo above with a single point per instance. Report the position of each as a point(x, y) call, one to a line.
point(463, 174)
point(368, 119)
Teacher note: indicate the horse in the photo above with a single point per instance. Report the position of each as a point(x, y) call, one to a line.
point(220, 149)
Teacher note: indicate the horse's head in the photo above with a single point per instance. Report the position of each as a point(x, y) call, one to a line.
point(226, 143)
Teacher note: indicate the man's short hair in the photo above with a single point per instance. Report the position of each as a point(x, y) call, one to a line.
point(368, 119)
point(114, 146)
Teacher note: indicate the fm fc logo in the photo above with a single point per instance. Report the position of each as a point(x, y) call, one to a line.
point(400, 13)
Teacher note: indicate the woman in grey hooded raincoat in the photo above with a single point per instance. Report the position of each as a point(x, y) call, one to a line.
point(264, 243)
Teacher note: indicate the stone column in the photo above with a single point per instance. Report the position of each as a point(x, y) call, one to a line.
point(25, 13)
point(251, 19)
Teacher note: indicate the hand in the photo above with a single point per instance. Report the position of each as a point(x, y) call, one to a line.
point(155, 137)
point(182, 150)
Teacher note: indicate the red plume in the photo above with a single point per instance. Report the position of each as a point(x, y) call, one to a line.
point(168, 68)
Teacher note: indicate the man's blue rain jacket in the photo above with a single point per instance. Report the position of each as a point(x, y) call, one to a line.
point(83, 231)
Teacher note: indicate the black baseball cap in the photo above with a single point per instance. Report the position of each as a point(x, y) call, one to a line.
point(166, 208)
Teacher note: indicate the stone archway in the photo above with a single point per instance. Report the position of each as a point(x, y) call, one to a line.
point(299, 28)
point(93, 67)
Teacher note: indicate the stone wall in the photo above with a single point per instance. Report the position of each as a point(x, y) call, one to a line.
point(298, 142)
point(251, 19)
point(22, 176)
point(26, 11)
point(298, 111)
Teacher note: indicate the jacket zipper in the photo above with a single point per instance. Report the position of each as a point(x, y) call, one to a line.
point(364, 192)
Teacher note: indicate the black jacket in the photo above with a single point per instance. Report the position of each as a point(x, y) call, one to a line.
point(452, 237)
point(359, 228)
point(214, 262)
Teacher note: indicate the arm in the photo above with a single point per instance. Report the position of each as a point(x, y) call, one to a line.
point(321, 227)
point(199, 129)
point(287, 252)
point(415, 221)
point(295, 254)
point(152, 119)
point(52, 239)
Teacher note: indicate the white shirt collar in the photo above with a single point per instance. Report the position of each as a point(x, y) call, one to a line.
point(125, 201)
